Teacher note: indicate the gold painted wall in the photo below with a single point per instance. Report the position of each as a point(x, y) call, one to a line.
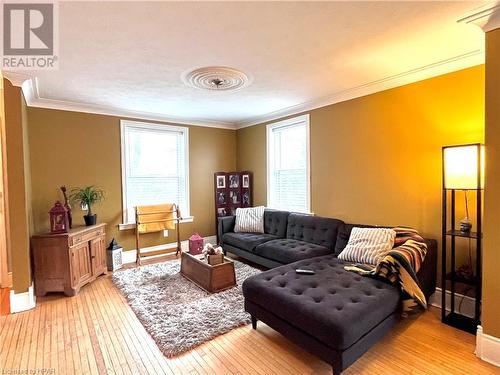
point(18, 190)
point(377, 159)
point(491, 260)
point(251, 151)
point(76, 149)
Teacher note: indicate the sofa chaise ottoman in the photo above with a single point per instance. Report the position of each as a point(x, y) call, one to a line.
point(335, 314)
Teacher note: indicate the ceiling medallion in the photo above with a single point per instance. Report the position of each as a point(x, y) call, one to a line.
point(216, 78)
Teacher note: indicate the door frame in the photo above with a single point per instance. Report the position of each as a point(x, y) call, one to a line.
point(5, 271)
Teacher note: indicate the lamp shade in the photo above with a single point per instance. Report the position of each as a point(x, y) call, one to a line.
point(462, 169)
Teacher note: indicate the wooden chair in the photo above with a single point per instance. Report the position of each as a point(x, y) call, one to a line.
point(156, 218)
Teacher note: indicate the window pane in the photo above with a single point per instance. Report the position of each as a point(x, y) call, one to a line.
point(155, 168)
point(153, 153)
point(290, 189)
point(288, 168)
point(291, 148)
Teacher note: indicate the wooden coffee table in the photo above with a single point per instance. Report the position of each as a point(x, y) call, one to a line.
point(211, 278)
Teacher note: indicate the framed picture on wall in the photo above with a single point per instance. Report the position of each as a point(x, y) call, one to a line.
point(246, 181)
point(221, 182)
point(234, 181)
point(245, 199)
point(234, 197)
point(221, 211)
point(221, 197)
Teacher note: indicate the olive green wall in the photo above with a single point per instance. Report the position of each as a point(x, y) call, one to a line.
point(491, 262)
point(18, 189)
point(76, 149)
point(377, 159)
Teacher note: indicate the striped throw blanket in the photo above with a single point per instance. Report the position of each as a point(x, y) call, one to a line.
point(400, 266)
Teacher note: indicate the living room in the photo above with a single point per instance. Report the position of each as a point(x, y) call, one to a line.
point(183, 187)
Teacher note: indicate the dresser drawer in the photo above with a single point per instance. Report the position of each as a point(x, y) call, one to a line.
point(86, 236)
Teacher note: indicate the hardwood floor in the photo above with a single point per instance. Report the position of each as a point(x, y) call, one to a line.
point(96, 332)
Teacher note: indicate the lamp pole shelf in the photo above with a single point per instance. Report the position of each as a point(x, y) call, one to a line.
point(457, 233)
point(462, 171)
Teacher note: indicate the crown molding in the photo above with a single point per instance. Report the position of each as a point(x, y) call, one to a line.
point(486, 17)
point(33, 99)
point(31, 93)
point(17, 79)
point(453, 64)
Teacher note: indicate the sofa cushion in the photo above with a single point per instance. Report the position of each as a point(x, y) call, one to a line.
point(249, 220)
point(286, 250)
point(344, 232)
point(275, 222)
point(368, 245)
point(318, 230)
point(246, 241)
point(335, 306)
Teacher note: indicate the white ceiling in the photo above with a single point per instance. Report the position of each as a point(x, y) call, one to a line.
point(128, 57)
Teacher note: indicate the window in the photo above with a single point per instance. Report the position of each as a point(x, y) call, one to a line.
point(155, 166)
point(288, 185)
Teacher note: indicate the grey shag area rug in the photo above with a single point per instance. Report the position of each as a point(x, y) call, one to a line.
point(178, 314)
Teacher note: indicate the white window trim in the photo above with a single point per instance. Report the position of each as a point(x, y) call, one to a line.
point(151, 126)
point(286, 123)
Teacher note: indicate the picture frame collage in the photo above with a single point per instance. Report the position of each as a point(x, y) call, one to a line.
point(232, 190)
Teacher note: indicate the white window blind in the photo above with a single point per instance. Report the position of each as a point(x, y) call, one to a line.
point(288, 164)
point(155, 166)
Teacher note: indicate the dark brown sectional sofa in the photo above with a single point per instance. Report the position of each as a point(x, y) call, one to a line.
point(335, 314)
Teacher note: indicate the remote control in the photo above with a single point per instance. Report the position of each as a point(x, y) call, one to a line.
point(304, 272)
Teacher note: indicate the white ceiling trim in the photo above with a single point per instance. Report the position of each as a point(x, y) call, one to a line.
point(473, 58)
point(453, 64)
point(486, 17)
point(16, 78)
point(33, 99)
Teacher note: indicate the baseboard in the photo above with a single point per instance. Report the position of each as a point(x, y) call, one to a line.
point(22, 301)
point(465, 305)
point(487, 347)
point(130, 256)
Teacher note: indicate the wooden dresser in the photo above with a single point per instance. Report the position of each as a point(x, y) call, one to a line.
point(67, 261)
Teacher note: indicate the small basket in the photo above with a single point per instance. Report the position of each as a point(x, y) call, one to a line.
point(215, 259)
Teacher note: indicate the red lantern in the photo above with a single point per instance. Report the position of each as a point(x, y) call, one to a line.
point(59, 222)
point(195, 244)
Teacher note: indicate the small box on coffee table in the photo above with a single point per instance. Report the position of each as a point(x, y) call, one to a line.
point(212, 278)
point(215, 259)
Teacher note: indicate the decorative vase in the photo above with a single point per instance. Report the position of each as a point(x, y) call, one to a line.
point(90, 219)
point(465, 226)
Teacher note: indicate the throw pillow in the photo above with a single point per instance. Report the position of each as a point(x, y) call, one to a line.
point(249, 220)
point(368, 245)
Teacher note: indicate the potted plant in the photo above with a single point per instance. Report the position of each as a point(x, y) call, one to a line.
point(85, 197)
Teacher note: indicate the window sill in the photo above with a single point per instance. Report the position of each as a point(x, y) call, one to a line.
point(128, 226)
